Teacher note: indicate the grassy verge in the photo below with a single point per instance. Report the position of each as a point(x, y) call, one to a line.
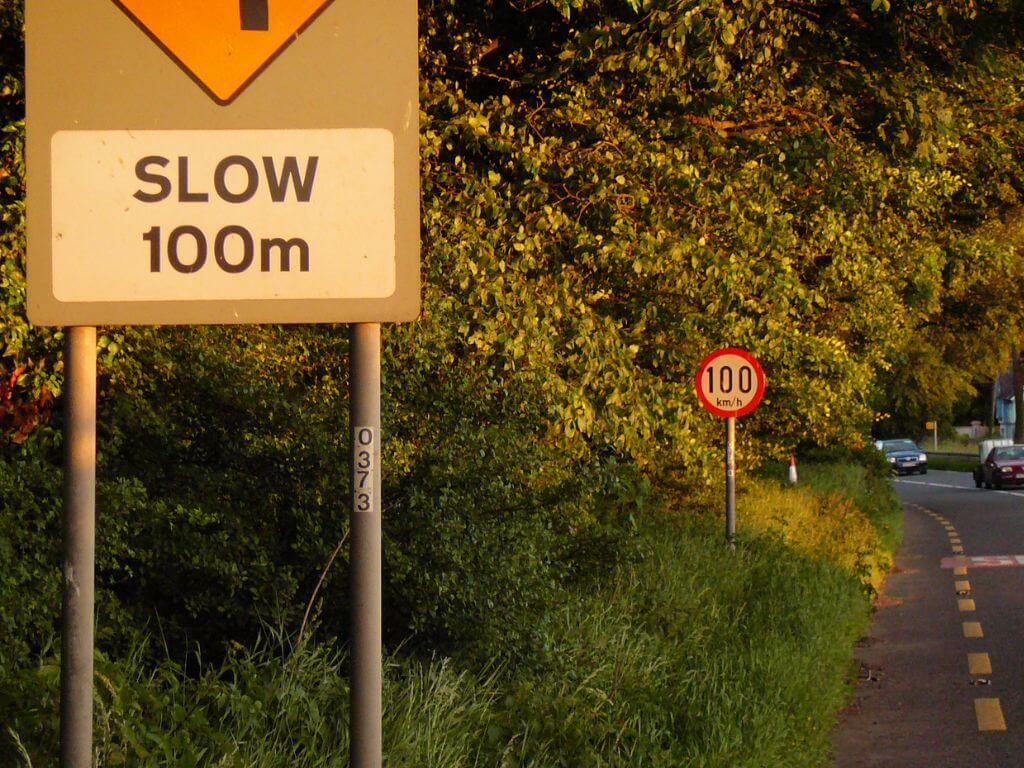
point(843, 512)
point(951, 463)
point(693, 654)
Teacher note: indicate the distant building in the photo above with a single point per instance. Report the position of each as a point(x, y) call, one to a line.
point(1005, 412)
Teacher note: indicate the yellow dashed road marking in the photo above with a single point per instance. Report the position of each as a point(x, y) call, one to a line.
point(990, 715)
point(960, 571)
point(979, 664)
point(955, 540)
point(963, 585)
point(957, 549)
point(973, 629)
point(965, 605)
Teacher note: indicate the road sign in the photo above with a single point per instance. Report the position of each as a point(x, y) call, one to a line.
point(222, 44)
point(929, 425)
point(730, 382)
point(222, 161)
point(220, 216)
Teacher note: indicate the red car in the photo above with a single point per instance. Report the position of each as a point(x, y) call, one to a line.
point(1004, 466)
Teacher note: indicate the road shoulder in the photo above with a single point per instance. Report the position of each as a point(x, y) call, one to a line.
point(911, 704)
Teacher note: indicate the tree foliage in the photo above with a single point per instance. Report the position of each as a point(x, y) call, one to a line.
point(610, 190)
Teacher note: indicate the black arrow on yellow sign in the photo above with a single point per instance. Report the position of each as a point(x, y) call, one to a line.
point(255, 15)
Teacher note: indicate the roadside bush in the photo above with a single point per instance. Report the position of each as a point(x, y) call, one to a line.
point(218, 513)
point(489, 523)
point(30, 556)
point(817, 525)
point(844, 512)
point(866, 482)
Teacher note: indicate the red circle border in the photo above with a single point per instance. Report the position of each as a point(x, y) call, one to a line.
point(758, 392)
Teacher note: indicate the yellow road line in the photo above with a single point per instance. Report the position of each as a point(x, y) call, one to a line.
point(957, 549)
point(990, 715)
point(965, 604)
point(959, 571)
point(973, 629)
point(963, 585)
point(955, 540)
point(979, 664)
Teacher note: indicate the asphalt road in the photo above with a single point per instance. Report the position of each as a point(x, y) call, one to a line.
point(941, 678)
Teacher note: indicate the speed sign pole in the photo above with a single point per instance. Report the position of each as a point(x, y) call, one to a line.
point(730, 478)
point(730, 383)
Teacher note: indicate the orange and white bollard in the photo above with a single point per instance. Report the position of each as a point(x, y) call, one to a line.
point(792, 469)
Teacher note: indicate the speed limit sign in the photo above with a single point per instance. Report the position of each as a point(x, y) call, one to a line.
point(730, 382)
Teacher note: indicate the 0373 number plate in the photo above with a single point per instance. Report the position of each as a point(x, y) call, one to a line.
point(364, 468)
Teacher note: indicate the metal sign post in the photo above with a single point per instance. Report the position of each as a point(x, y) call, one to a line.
point(730, 383)
point(76, 662)
point(365, 724)
point(730, 478)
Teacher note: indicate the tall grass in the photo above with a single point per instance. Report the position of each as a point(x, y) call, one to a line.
point(694, 655)
point(698, 656)
point(846, 512)
point(869, 490)
point(267, 707)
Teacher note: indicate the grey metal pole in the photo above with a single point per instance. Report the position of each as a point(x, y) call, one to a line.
point(730, 478)
point(76, 664)
point(365, 726)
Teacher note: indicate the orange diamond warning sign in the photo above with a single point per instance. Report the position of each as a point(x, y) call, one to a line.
point(223, 44)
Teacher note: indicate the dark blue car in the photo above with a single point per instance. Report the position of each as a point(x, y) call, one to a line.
point(905, 458)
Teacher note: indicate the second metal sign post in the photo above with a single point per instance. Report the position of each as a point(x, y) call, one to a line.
point(365, 726)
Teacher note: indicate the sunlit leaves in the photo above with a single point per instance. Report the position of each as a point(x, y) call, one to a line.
point(697, 175)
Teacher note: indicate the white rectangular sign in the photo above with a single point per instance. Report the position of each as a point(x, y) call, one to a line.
point(208, 215)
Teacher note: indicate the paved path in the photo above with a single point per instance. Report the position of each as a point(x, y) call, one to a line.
point(942, 670)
